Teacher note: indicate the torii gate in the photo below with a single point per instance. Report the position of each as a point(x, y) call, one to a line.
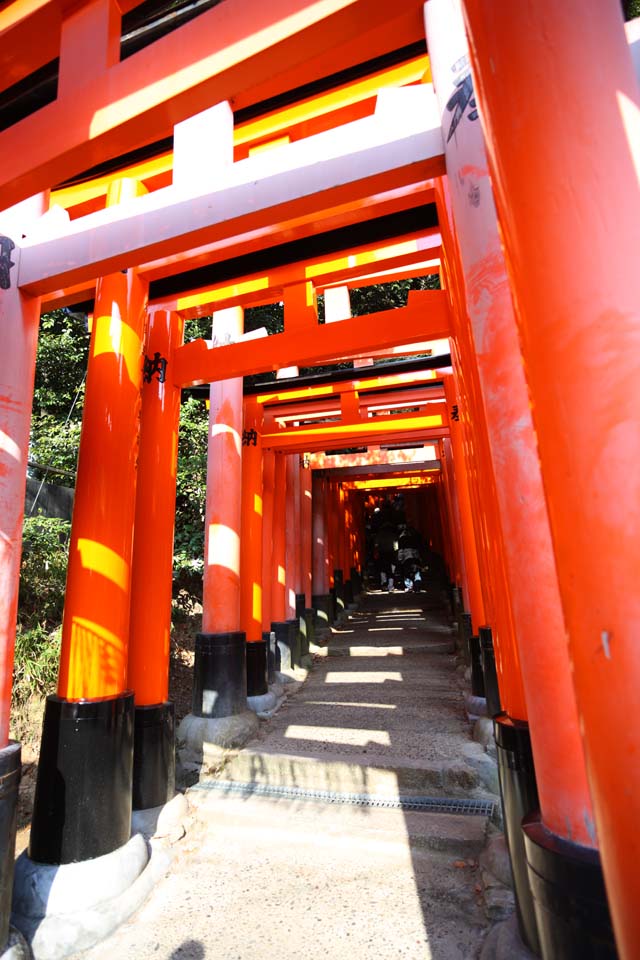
point(361, 181)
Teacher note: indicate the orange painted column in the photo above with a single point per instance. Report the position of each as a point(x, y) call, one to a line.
point(576, 303)
point(488, 538)
point(279, 562)
point(93, 714)
point(457, 468)
point(292, 533)
point(251, 585)
point(220, 666)
point(19, 319)
point(221, 585)
point(336, 544)
point(454, 518)
point(560, 769)
point(95, 628)
point(252, 520)
point(320, 581)
point(152, 562)
point(306, 560)
point(268, 488)
point(152, 566)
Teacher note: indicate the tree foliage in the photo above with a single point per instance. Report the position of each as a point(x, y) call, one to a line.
point(59, 394)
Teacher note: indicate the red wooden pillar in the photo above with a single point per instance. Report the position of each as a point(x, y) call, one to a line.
point(305, 530)
point(251, 586)
point(220, 668)
point(19, 316)
point(460, 577)
point(292, 529)
point(152, 566)
point(320, 597)
point(278, 576)
point(458, 469)
point(559, 760)
point(576, 298)
point(268, 489)
point(221, 585)
point(93, 699)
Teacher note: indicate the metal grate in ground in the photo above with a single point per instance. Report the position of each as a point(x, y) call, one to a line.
point(457, 805)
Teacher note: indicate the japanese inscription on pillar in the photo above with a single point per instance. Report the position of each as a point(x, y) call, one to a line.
point(6, 246)
point(249, 437)
point(462, 97)
point(152, 366)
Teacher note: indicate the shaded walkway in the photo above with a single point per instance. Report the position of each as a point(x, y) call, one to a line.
point(381, 714)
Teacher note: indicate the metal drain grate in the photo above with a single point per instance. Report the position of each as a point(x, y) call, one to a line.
point(459, 805)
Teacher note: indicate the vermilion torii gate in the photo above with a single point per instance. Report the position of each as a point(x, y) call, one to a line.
point(370, 175)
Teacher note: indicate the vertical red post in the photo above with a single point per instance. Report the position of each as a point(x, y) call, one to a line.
point(268, 491)
point(292, 533)
point(576, 301)
point(251, 588)
point(221, 587)
point(279, 562)
point(305, 531)
point(321, 597)
point(457, 466)
point(19, 317)
point(152, 566)
point(220, 668)
point(92, 683)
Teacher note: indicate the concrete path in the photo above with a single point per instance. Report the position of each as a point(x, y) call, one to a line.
point(380, 715)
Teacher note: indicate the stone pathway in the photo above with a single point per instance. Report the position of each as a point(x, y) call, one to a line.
point(380, 714)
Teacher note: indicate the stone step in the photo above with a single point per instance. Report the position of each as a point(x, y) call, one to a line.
point(341, 774)
point(345, 649)
point(283, 819)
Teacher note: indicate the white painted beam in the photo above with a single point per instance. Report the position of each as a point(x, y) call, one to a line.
point(307, 176)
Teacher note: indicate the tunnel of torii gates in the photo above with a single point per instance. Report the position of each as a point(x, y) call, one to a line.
point(274, 152)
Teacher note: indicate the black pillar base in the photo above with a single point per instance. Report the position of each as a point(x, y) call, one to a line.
point(569, 896)
point(356, 582)
point(489, 673)
point(294, 640)
point(10, 769)
point(154, 755)
point(334, 604)
point(322, 603)
point(477, 676)
point(287, 639)
point(82, 805)
point(519, 794)
point(338, 586)
point(273, 655)
point(309, 619)
point(300, 604)
point(348, 592)
point(220, 674)
point(465, 630)
point(257, 667)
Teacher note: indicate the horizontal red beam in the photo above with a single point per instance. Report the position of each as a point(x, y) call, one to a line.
point(426, 316)
point(221, 55)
